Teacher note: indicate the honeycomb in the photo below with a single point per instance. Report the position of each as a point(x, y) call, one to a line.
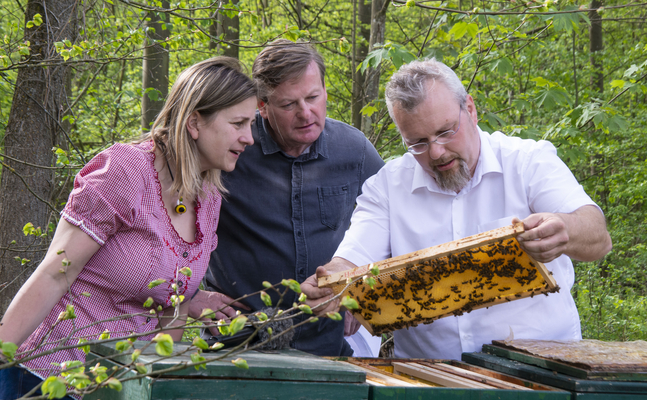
point(424, 287)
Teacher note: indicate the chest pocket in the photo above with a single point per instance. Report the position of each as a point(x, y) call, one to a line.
point(334, 205)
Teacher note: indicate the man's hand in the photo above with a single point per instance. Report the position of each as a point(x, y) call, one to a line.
point(317, 295)
point(217, 302)
point(545, 237)
point(581, 235)
point(351, 325)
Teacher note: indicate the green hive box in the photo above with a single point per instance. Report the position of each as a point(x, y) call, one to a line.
point(553, 374)
point(286, 374)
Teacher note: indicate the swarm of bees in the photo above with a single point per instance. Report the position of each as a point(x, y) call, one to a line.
point(452, 284)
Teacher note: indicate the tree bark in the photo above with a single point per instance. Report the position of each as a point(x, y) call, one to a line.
point(361, 39)
point(372, 77)
point(155, 67)
point(596, 46)
point(33, 128)
point(228, 29)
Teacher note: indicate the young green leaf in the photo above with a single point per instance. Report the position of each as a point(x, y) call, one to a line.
point(113, 383)
point(375, 270)
point(186, 271)
point(197, 358)
point(156, 282)
point(136, 354)
point(305, 308)
point(292, 284)
point(123, 345)
point(240, 363)
point(335, 316)
point(148, 302)
point(302, 297)
point(217, 346)
point(54, 387)
point(85, 348)
point(237, 324)
point(349, 303)
point(208, 313)
point(267, 300)
point(164, 344)
point(200, 343)
point(9, 350)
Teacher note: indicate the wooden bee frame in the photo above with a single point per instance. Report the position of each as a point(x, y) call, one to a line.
point(449, 279)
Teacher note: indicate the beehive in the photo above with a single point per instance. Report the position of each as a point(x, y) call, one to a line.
point(449, 279)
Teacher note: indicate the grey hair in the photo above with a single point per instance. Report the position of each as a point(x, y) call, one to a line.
point(407, 88)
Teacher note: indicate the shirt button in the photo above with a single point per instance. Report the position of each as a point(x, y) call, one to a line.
point(299, 233)
point(185, 254)
point(296, 197)
point(180, 283)
point(148, 319)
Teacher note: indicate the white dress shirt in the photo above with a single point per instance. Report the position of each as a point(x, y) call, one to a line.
point(402, 210)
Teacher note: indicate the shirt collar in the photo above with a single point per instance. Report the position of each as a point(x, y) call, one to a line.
point(487, 162)
point(269, 146)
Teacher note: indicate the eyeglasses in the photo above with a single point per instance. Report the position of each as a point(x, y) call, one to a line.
point(443, 138)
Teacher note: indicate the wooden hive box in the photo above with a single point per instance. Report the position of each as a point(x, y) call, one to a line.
point(449, 279)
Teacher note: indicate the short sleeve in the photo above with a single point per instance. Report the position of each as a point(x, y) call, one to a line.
point(108, 192)
point(368, 238)
point(552, 187)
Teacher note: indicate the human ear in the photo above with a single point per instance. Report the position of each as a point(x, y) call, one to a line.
point(192, 125)
point(262, 108)
point(471, 110)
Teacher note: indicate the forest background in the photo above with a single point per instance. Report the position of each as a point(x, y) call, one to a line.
point(78, 75)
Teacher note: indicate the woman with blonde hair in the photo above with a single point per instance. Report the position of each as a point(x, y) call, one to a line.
point(138, 212)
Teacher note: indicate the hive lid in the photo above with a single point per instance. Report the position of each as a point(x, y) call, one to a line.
point(449, 279)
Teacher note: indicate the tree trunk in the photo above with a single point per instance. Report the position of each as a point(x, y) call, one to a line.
point(372, 77)
point(361, 38)
point(228, 30)
point(33, 128)
point(595, 47)
point(155, 67)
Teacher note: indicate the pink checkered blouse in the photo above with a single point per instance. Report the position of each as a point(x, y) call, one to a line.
point(117, 200)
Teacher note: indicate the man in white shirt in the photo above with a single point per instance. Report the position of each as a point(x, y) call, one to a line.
point(456, 181)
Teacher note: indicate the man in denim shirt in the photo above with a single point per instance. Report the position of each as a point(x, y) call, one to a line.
point(291, 195)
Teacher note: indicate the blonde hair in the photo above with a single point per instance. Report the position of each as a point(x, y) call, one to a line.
point(206, 87)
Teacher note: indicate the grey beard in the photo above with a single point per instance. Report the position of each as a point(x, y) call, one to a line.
point(453, 181)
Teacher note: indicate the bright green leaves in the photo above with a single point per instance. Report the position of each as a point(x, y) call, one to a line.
point(344, 45)
point(67, 314)
point(164, 344)
point(305, 308)
point(335, 316)
point(375, 270)
point(208, 313)
point(200, 343)
point(156, 282)
point(84, 347)
point(240, 363)
point(292, 285)
point(8, 349)
point(123, 345)
point(114, 384)
point(148, 303)
point(550, 94)
point(349, 303)
point(199, 359)
point(393, 52)
point(569, 21)
point(463, 28)
point(54, 387)
point(29, 229)
point(267, 300)
point(186, 271)
point(36, 21)
point(502, 66)
point(293, 33)
point(237, 324)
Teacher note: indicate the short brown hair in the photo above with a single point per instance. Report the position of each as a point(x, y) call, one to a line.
point(281, 61)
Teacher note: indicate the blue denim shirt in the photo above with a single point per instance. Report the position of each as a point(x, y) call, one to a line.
point(285, 216)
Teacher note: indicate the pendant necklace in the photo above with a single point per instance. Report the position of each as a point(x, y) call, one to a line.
point(180, 208)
